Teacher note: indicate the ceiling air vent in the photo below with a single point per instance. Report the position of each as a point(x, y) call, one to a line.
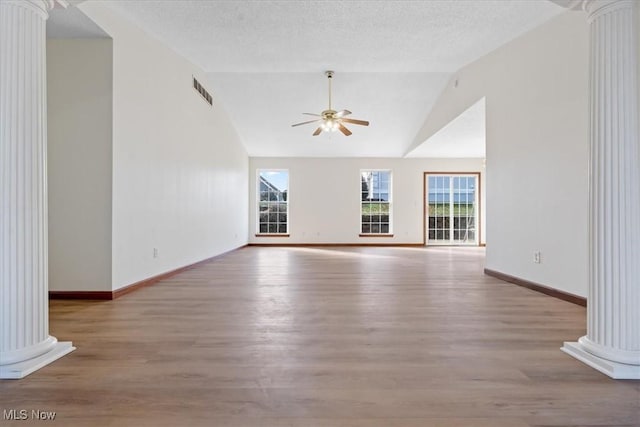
point(202, 91)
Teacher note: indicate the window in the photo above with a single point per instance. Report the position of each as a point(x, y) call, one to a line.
point(273, 202)
point(375, 206)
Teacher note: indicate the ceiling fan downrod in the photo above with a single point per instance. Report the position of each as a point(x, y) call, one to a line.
point(329, 75)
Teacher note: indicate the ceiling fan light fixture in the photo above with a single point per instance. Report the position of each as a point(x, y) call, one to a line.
point(329, 125)
point(331, 120)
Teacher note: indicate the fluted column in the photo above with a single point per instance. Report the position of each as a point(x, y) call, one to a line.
point(612, 343)
point(25, 343)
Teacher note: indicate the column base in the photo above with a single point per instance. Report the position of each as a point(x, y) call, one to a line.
point(22, 369)
point(615, 370)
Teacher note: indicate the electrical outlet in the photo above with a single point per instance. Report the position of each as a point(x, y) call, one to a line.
point(155, 252)
point(537, 257)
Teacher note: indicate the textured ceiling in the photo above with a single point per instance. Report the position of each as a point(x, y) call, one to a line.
point(348, 36)
point(265, 61)
point(265, 105)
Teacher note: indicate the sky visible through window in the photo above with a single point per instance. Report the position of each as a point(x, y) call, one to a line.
point(279, 179)
point(463, 189)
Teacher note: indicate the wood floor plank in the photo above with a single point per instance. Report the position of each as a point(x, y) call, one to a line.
point(335, 336)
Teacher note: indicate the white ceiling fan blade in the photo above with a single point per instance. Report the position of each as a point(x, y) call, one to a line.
point(304, 123)
point(343, 113)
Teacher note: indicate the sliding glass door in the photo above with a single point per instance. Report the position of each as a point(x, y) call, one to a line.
point(451, 209)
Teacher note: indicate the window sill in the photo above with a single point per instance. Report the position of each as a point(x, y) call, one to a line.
point(271, 235)
point(375, 235)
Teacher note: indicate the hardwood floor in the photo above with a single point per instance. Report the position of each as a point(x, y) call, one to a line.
point(334, 336)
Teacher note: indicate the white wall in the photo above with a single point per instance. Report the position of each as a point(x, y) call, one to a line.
point(179, 169)
point(324, 197)
point(537, 156)
point(536, 92)
point(637, 8)
point(79, 82)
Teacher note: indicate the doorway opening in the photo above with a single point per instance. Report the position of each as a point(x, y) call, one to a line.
point(452, 208)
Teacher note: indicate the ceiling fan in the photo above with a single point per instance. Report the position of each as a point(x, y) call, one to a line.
point(332, 120)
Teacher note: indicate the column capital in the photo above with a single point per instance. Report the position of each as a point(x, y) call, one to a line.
point(595, 8)
point(42, 7)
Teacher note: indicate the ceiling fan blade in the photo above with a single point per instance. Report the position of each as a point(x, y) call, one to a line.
point(344, 130)
point(304, 123)
point(317, 132)
point(343, 113)
point(312, 114)
point(356, 122)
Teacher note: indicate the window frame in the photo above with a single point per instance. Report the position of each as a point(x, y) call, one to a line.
point(389, 203)
point(258, 202)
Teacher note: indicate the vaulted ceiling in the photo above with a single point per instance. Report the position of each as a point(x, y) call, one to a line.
point(265, 62)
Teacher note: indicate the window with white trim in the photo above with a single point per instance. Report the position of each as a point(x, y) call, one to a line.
point(375, 205)
point(273, 201)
